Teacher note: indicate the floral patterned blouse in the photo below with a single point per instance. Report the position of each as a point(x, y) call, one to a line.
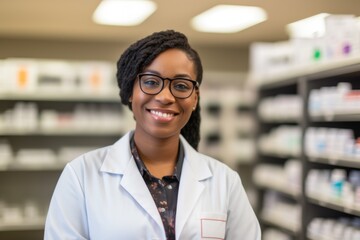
point(164, 191)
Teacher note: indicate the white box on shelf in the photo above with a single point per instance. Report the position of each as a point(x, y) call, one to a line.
point(56, 76)
point(270, 58)
point(27, 157)
point(342, 36)
point(96, 77)
point(308, 51)
point(20, 75)
point(67, 154)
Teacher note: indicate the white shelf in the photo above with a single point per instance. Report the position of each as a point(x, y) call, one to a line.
point(24, 226)
point(64, 131)
point(279, 187)
point(333, 204)
point(315, 238)
point(282, 223)
point(301, 71)
point(279, 154)
point(13, 165)
point(21, 167)
point(282, 120)
point(68, 97)
point(345, 116)
point(336, 161)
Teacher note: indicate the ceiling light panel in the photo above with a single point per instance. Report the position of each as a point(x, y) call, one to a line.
point(123, 12)
point(228, 18)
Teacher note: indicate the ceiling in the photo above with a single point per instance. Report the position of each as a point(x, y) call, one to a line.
point(71, 20)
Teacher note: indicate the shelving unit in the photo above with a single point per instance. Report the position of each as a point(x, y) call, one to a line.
point(302, 82)
point(273, 151)
point(227, 127)
point(27, 187)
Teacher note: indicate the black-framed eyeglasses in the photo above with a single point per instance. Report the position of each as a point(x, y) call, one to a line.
point(153, 84)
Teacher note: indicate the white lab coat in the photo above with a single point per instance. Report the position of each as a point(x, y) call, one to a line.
point(102, 196)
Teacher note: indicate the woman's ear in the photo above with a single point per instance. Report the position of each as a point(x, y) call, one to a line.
point(197, 94)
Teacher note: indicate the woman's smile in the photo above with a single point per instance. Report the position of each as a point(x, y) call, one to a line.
point(162, 115)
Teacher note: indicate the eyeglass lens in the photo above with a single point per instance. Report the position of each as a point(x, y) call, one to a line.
point(180, 88)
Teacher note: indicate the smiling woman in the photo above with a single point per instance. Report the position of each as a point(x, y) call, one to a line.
point(152, 183)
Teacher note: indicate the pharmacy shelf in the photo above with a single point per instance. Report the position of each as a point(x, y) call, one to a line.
point(345, 117)
point(63, 132)
point(333, 204)
point(321, 237)
point(24, 226)
point(279, 83)
point(335, 161)
point(276, 120)
point(63, 97)
point(279, 187)
point(279, 154)
point(269, 151)
point(19, 167)
point(292, 73)
point(281, 223)
point(301, 81)
point(317, 238)
point(36, 180)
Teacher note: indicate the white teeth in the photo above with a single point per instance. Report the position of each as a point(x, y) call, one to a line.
point(161, 114)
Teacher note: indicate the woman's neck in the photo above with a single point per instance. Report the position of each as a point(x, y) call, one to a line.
point(158, 155)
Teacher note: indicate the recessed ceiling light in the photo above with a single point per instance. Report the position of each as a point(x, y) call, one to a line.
point(310, 27)
point(123, 12)
point(228, 18)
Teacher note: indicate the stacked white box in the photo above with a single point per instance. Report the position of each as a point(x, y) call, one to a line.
point(20, 75)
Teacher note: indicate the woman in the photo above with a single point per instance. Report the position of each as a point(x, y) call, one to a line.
point(152, 183)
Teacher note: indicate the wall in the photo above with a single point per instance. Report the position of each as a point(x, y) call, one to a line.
point(215, 58)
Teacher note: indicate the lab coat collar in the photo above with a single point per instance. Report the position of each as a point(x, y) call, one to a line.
point(119, 156)
point(119, 160)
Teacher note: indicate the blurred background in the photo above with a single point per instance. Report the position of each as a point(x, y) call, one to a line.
point(280, 101)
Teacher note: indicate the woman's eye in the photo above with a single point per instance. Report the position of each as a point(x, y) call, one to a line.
point(151, 83)
point(181, 86)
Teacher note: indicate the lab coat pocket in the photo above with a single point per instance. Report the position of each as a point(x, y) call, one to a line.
point(213, 225)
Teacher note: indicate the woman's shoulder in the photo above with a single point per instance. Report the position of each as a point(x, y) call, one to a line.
point(95, 158)
point(215, 163)
point(214, 166)
point(90, 159)
point(201, 160)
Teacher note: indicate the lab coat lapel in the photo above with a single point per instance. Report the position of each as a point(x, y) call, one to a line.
point(119, 160)
point(134, 184)
point(194, 172)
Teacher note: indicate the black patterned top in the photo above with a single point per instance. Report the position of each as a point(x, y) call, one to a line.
point(164, 191)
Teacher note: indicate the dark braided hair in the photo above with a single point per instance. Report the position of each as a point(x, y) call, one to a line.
point(141, 53)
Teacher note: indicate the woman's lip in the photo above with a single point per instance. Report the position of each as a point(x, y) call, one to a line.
point(162, 116)
point(163, 111)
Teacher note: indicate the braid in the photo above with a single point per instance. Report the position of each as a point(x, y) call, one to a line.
point(191, 131)
point(140, 54)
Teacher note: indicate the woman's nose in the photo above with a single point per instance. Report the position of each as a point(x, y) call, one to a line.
point(165, 95)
